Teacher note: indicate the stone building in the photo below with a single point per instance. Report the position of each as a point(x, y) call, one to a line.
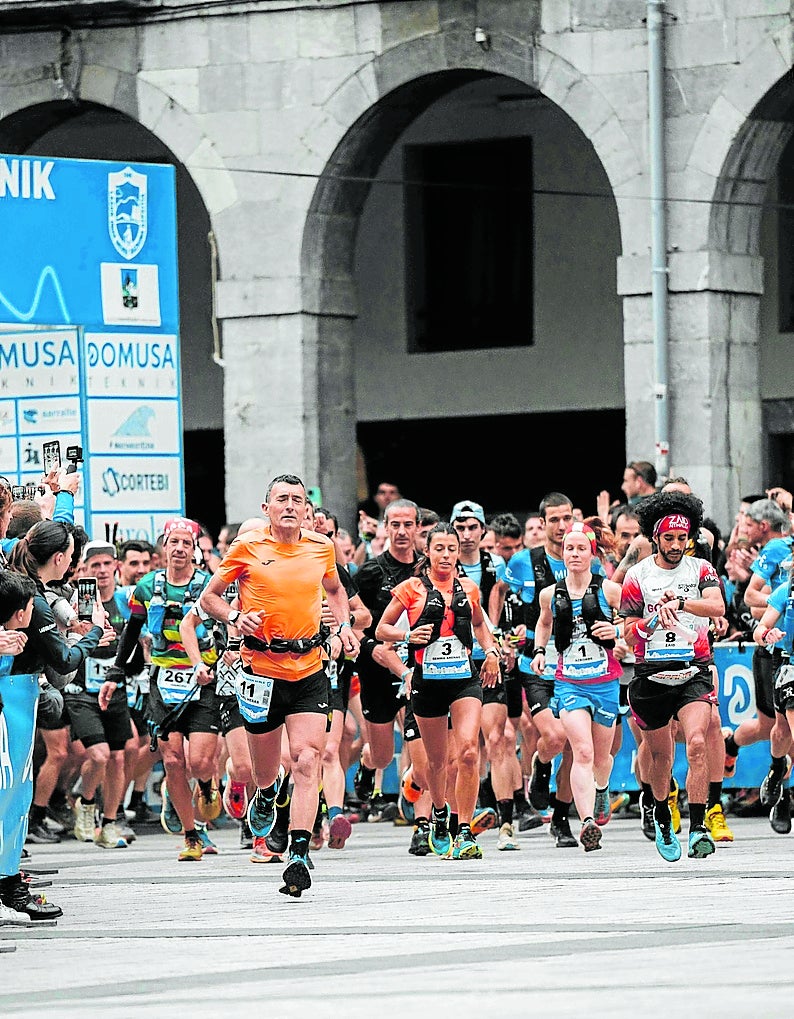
point(338, 164)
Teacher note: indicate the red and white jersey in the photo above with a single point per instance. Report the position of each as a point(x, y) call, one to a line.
point(644, 585)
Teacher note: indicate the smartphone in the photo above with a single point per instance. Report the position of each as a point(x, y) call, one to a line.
point(52, 456)
point(30, 491)
point(17, 492)
point(86, 597)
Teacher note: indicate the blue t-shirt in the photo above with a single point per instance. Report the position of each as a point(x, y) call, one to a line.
point(768, 564)
point(782, 602)
point(474, 573)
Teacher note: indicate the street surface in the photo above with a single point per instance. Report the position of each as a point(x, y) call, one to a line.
point(544, 931)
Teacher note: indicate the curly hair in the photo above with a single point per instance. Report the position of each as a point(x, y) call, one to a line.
point(664, 503)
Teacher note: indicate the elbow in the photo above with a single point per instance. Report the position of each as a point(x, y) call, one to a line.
point(379, 635)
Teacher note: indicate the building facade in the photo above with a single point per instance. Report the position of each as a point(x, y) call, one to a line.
point(327, 152)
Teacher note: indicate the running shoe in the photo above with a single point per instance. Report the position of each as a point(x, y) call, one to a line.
point(780, 814)
point(667, 842)
point(646, 815)
point(729, 769)
point(127, 833)
point(144, 814)
point(440, 839)
point(261, 814)
point(246, 838)
point(507, 840)
point(109, 836)
point(590, 835)
point(278, 839)
point(539, 783)
point(420, 840)
point(169, 818)
point(561, 832)
point(675, 811)
point(528, 818)
point(408, 787)
point(192, 850)
point(262, 853)
point(208, 847)
point(364, 782)
point(40, 834)
point(405, 808)
point(235, 799)
point(13, 918)
point(772, 787)
point(465, 846)
point(701, 844)
point(84, 820)
point(602, 809)
point(339, 832)
point(61, 813)
point(717, 825)
point(484, 819)
point(296, 876)
point(207, 808)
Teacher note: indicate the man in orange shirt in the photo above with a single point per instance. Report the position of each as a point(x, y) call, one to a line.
point(281, 572)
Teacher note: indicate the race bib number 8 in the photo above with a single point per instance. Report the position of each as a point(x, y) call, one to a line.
point(254, 694)
point(584, 659)
point(668, 646)
point(446, 658)
point(175, 685)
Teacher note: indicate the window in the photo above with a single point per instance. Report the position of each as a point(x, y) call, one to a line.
point(469, 245)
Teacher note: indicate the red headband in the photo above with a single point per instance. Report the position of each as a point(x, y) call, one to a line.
point(181, 524)
point(577, 527)
point(672, 522)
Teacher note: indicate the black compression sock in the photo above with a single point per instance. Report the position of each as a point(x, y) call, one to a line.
point(673, 783)
point(731, 746)
point(205, 787)
point(87, 802)
point(697, 815)
point(299, 841)
point(520, 799)
point(560, 812)
point(191, 834)
point(505, 811)
point(778, 765)
point(715, 794)
point(453, 824)
point(37, 814)
point(136, 799)
point(661, 812)
point(647, 793)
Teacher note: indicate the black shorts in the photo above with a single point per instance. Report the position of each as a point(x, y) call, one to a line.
point(784, 688)
point(653, 705)
point(92, 726)
point(514, 695)
point(491, 694)
point(340, 693)
point(201, 715)
point(53, 724)
point(379, 701)
point(309, 696)
point(411, 729)
point(229, 711)
point(539, 693)
point(765, 665)
point(432, 698)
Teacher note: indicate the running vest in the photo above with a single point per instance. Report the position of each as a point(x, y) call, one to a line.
point(592, 612)
point(389, 581)
point(162, 614)
point(435, 609)
point(544, 577)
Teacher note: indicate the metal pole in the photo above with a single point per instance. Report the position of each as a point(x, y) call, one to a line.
point(659, 270)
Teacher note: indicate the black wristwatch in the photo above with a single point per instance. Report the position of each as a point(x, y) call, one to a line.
point(681, 601)
point(234, 615)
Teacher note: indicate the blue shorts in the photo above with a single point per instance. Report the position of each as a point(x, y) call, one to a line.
point(600, 699)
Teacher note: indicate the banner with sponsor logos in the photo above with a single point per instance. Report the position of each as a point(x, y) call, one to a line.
point(89, 334)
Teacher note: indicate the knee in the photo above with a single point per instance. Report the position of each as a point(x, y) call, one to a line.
point(202, 766)
point(306, 764)
point(468, 755)
point(583, 754)
point(496, 745)
point(99, 755)
point(330, 754)
point(173, 759)
point(696, 747)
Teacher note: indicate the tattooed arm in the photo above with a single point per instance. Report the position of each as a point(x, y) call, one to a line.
point(640, 548)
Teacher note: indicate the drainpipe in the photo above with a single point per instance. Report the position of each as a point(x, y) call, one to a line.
point(659, 269)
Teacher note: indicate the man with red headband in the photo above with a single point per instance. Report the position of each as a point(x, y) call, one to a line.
point(667, 601)
point(182, 700)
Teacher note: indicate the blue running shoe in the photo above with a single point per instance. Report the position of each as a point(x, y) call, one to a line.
point(440, 838)
point(169, 818)
point(465, 845)
point(208, 847)
point(701, 844)
point(667, 843)
point(296, 876)
point(261, 812)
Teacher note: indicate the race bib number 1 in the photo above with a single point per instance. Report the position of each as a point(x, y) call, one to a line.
point(584, 659)
point(95, 673)
point(254, 694)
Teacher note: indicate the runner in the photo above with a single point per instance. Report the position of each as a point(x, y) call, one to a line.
point(281, 571)
point(581, 608)
point(178, 716)
point(442, 612)
point(667, 601)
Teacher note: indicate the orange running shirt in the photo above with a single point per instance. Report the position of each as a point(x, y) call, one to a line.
point(284, 582)
point(412, 595)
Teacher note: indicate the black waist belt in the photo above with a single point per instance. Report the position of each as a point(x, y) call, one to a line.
point(285, 646)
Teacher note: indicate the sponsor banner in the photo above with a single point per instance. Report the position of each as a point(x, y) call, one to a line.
point(8, 418)
point(38, 363)
point(130, 294)
point(134, 426)
point(121, 484)
point(57, 415)
point(132, 364)
point(129, 526)
point(9, 461)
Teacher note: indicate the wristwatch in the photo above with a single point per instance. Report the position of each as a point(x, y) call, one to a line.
point(681, 601)
point(233, 616)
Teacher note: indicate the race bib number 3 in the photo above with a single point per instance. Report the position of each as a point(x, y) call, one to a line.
point(175, 685)
point(584, 659)
point(446, 658)
point(254, 694)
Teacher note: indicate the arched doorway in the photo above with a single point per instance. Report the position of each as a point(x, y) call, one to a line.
point(85, 130)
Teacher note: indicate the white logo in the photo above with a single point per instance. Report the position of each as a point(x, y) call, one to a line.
point(127, 211)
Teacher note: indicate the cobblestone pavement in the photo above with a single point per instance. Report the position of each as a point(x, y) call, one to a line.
point(544, 931)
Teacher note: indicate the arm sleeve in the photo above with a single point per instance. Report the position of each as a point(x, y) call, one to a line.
point(128, 641)
point(64, 508)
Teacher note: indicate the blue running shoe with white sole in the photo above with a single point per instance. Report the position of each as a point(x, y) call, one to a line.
point(440, 838)
point(261, 812)
point(701, 844)
point(169, 818)
point(667, 842)
point(465, 845)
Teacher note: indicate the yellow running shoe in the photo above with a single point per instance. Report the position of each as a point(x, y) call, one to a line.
point(672, 803)
point(192, 850)
point(717, 825)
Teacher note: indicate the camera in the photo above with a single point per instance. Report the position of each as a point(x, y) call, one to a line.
point(74, 454)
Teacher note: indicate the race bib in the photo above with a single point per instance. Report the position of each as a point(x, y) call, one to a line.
point(96, 670)
point(402, 651)
point(446, 658)
point(226, 678)
point(668, 646)
point(584, 659)
point(333, 675)
point(254, 694)
point(176, 685)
